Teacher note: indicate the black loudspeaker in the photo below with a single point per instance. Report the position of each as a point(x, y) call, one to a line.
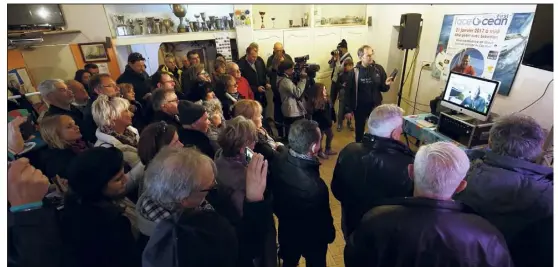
point(409, 31)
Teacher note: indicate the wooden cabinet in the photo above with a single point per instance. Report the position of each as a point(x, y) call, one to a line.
point(355, 37)
point(298, 42)
point(266, 39)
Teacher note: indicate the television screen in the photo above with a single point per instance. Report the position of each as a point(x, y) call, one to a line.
point(539, 52)
point(34, 15)
point(469, 94)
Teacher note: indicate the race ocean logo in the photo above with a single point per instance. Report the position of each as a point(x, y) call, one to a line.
point(485, 20)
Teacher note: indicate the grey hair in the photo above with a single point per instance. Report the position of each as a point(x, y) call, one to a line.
point(173, 175)
point(159, 98)
point(384, 119)
point(230, 65)
point(303, 134)
point(213, 106)
point(439, 168)
point(48, 86)
point(106, 109)
point(518, 136)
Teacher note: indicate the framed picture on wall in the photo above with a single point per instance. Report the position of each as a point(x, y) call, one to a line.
point(94, 52)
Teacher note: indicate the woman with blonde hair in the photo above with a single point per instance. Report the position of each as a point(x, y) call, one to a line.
point(63, 138)
point(114, 129)
point(265, 144)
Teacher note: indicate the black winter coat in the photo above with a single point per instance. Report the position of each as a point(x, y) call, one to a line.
point(34, 239)
point(301, 200)
point(193, 138)
point(369, 172)
point(169, 119)
point(255, 78)
point(140, 81)
point(377, 87)
point(324, 117)
point(425, 232)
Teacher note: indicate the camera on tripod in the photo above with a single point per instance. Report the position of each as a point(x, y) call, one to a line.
point(301, 63)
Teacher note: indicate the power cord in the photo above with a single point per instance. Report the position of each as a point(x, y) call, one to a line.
point(544, 93)
point(418, 87)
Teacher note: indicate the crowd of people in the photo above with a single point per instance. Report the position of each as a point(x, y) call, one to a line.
point(184, 168)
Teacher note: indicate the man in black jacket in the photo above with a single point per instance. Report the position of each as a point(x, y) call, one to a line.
point(60, 98)
point(428, 229)
point(279, 55)
point(253, 69)
point(364, 91)
point(373, 170)
point(195, 124)
point(301, 199)
point(165, 105)
point(33, 230)
point(136, 75)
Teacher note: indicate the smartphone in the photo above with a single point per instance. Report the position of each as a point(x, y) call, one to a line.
point(394, 73)
point(27, 128)
point(248, 154)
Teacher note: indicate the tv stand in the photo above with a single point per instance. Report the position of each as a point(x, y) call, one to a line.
point(469, 131)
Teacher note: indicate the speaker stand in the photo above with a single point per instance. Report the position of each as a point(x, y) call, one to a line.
point(402, 82)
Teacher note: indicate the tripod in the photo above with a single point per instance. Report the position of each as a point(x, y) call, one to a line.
point(402, 82)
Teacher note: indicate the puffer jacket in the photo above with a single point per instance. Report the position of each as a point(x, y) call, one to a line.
point(425, 232)
point(510, 193)
point(291, 97)
point(368, 172)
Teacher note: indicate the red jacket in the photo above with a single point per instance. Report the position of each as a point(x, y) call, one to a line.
point(244, 88)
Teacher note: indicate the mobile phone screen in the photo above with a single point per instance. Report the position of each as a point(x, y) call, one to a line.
point(27, 128)
point(394, 73)
point(248, 153)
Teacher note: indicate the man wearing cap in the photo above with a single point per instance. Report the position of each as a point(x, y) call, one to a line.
point(337, 61)
point(195, 123)
point(136, 75)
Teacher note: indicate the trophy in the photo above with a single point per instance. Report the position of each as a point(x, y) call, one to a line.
point(231, 22)
point(167, 25)
point(290, 23)
point(203, 23)
point(140, 24)
point(273, 21)
point(157, 23)
point(262, 14)
point(132, 26)
point(211, 25)
point(180, 12)
point(150, 25)
point(121, 28)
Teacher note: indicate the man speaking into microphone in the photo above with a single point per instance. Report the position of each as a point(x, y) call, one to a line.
point(367, 82)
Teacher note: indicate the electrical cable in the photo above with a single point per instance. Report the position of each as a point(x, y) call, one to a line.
point(410, 104)
point(411, 101)
point(418, 87)
point(544, 93)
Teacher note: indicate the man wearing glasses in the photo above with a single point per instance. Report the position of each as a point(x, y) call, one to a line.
point(100, 84)
point(367, 82)
point(165, 105)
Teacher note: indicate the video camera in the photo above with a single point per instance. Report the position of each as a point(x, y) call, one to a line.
point(301, 63)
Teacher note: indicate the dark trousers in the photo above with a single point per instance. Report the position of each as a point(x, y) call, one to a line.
point(361, 116)
point(315, 253)
point(329, 138)
point(288, 122)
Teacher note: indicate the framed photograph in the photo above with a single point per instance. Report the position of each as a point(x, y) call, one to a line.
point(94, 52)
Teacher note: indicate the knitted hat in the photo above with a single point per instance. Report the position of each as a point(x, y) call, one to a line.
point(342, 44)
point(91, 170)
point(189, 112)
point(193, 239)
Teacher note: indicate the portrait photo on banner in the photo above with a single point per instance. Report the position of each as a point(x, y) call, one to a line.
point(483, 45)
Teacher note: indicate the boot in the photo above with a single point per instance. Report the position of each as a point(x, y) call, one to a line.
point(350, 125)
point(339, 127)
point(323, 155)
point(330, 152)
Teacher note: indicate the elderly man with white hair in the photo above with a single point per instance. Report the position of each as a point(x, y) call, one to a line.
point(428, 229)
point(60, 98)
point(373, 170)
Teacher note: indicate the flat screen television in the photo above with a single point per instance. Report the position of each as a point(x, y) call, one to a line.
point(539, 51)
point(22, 16)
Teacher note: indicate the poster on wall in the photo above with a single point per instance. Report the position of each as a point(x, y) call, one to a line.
point(223, 45)
point(485, 45)
point(19, 80)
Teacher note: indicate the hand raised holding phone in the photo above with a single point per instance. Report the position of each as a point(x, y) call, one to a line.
point(256, 178)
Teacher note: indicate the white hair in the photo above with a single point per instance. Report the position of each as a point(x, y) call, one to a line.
point(48, 86)
point(439, 168)
point(174, 174)
point(230, 66)
point(384, 119)
point(106, 109)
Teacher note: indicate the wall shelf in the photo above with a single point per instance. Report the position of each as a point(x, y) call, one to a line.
point(169, 38)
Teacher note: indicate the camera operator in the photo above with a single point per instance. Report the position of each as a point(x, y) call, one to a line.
point(364, 90)
point(337, 61)
point(291, 93)
point(273, 62)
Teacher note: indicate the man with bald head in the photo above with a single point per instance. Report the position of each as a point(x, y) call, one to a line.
point(80, 94)
point(241, 82)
